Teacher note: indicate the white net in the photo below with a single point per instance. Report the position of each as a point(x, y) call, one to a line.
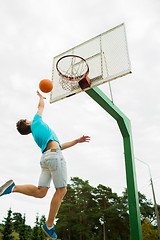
point(68, 85)
point(71, 69)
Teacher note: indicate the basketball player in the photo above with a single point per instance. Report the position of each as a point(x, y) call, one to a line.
point(53, 165)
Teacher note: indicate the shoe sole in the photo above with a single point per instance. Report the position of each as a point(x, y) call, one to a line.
point(47, 234)
point(5, 186)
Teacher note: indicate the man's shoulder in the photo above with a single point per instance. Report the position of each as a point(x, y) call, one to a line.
point(37, 116)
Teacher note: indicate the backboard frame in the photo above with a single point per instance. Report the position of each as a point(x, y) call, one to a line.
point(105, 58)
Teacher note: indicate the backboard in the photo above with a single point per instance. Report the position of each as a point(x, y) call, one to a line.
point(107, 57)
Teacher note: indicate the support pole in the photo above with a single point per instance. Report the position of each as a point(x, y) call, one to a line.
point(154, 197)
point(125, 128)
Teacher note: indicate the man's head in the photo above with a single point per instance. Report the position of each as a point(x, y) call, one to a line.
point(24, 126)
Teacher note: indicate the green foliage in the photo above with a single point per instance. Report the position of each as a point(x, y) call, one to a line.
point(146, 206)
point(7, 229)
point(37, 233)
point(20, 227)
point(92, 213)
point(24, 230)
point(17, 221)
point(87, 212)
point(149, 231)
point(15, 228)
point(41, 222)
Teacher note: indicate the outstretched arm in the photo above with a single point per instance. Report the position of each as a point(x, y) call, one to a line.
point(40, 104)
point(74, 142)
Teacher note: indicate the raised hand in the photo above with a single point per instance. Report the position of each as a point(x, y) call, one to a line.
point(83, 139)
point(40, 95)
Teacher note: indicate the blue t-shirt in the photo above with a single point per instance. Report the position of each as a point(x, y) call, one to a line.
point(42, 133)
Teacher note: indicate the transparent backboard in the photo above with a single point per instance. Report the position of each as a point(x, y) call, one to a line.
point(107, 57)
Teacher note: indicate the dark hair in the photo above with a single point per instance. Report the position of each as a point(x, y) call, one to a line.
point(22, 127)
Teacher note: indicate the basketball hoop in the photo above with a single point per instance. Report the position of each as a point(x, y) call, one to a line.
point(73, 69)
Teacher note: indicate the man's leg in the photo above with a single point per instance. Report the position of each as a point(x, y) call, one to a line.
point(31, 190)
point(55, 205)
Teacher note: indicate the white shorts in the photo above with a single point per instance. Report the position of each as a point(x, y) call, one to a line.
point(53, 166)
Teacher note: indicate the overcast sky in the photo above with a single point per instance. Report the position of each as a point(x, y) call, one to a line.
point(32, 33)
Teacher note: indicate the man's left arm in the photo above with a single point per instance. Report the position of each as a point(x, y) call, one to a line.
point(74, 142)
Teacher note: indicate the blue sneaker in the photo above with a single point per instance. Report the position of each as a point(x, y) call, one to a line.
point(50, 233)
point(7, 188)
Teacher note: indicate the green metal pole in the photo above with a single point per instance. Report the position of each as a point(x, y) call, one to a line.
point(125, 128)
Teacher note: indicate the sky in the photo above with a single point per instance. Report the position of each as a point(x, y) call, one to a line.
point(32, 33)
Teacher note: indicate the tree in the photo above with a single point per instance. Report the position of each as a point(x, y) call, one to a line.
point(84, 198)
point(7, 228)
point(74, 217)
point(149, 231)
point(92, 213)
point(24, 230)
point(67, 215)
point(20, 227)
point(36, 231)
point(86, 212)
point(17, 221)
point(112, 214)
point(41, 233)
point(146, 206)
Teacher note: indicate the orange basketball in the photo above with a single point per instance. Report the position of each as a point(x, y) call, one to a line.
point(46, 85)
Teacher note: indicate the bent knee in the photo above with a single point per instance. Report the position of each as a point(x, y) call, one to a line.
point(42, 192)
point(61, 191)
point(42, 195)
point(65, 191)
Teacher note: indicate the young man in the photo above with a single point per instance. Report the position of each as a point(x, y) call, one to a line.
point(53, 165)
